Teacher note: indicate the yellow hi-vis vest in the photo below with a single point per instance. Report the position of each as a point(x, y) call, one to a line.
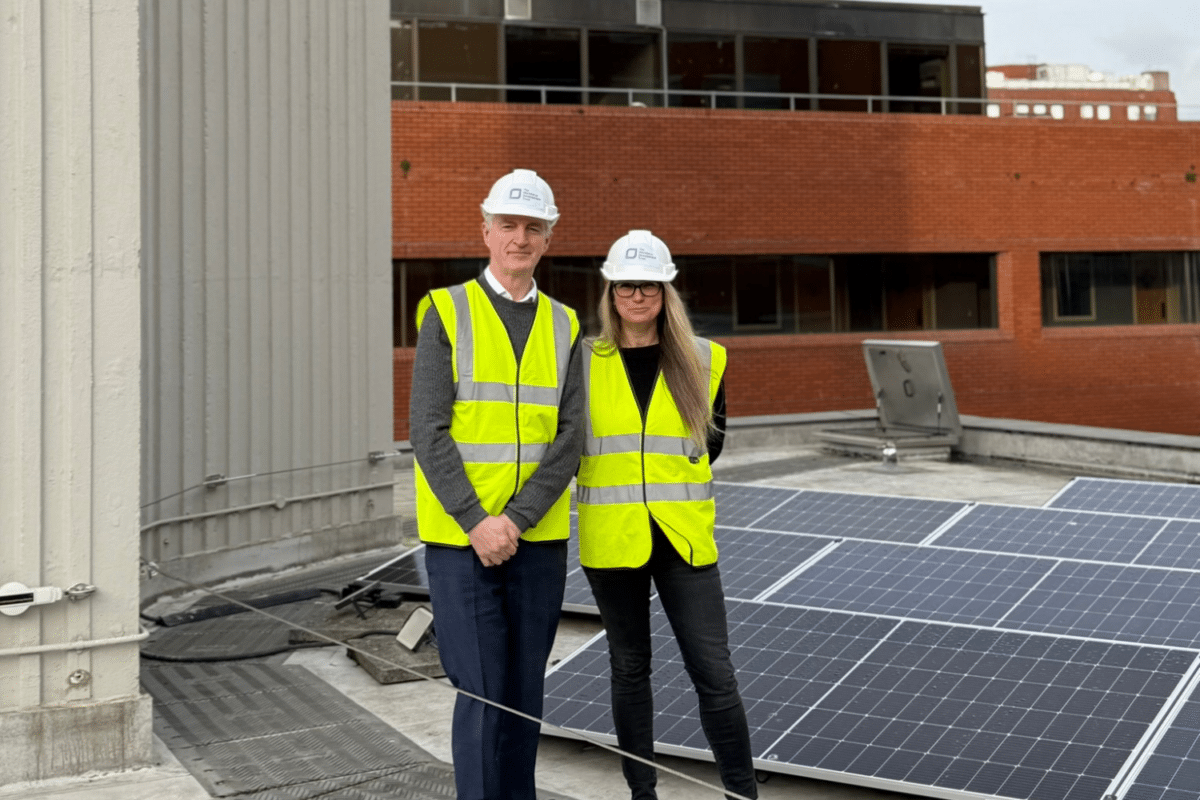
point(629, 469)
point(505, 414)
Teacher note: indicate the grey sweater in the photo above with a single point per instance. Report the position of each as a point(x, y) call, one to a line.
point(431, 403)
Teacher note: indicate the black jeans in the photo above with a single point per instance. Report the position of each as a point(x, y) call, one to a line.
point(695, 605)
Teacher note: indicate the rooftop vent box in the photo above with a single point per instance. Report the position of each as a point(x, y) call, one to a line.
point(915, 402)
point(518, 9)
point(649, 12)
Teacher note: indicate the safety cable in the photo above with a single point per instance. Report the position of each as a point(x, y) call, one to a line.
point(371, 458)
point(377, 657)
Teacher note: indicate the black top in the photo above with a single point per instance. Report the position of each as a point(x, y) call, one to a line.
point(641, 364)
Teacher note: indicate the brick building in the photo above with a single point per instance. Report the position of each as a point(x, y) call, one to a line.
point(1075, 92)
point(1057, 264)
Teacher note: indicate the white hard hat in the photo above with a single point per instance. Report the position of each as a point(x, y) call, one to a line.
point(638, 256)
point(522, 193)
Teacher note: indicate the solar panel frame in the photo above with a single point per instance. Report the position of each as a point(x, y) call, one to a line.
point(1101, 699)
point(909, 581)
point(1177, 546)
point(1168, 766)
point(740, 505)
point(861, 516)
point(1051, 533)
point(1143, 498)
point(1120, 602)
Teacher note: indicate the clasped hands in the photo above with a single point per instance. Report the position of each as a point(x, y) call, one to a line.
point(495, 540)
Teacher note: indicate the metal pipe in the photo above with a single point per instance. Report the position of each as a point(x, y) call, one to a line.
point(84, 645)
point(279, 503)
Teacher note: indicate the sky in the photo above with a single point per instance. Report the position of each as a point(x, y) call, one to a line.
point(1125, 38)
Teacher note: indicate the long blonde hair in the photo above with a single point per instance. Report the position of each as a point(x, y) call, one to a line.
point(679, 361)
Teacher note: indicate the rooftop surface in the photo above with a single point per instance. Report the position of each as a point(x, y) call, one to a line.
point(420, 711)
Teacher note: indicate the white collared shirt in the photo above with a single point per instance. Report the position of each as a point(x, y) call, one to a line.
point(531, 297)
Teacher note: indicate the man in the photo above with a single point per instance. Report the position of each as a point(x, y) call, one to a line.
point(496, 426)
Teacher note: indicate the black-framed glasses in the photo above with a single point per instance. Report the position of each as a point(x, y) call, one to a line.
point(627, 289)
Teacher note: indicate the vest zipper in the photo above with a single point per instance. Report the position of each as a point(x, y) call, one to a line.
point(517, 419)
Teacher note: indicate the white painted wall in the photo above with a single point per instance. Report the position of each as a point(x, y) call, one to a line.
point(70, 154)
point(267, 290)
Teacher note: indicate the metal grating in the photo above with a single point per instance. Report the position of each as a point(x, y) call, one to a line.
point(275, 731)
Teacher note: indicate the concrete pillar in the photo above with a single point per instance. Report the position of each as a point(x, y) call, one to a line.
point(70, 199)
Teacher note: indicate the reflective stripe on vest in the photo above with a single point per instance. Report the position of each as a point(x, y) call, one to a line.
point(505, 414)
point(630, 471)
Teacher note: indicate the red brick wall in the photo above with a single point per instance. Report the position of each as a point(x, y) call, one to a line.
point(819, 182)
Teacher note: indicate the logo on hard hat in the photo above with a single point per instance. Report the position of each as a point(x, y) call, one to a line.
point(631, 253)
point(515, 193)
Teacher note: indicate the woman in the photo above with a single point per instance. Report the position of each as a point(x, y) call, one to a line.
point(656, 415)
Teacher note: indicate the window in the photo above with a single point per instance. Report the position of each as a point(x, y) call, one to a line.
point(402, 58)
point(701, 63)
point(756, 300)
point(1103, 112)
point(1039, 109)
point(543, 57)
point(737, 295)
point(412, 280)
point(1087, 111)
point(1056, 111)
point(459, 52)
point(776, 66)
point(970, 76)
point(623, 60)
point(1134, 113)
point(848, 67)
point(993, 110)
point(1073, 285)
point(1150, 112)
point(1140, 288)
point(917, 71)
point(1021, 109)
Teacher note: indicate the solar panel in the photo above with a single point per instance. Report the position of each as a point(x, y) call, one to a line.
point(1176, 545)
point(739, 505)
point(577, 596)
point(988, 713)
point(751, 562)
point(1172, 770)
point(922, 582)
point(1051, 533)
point(904, 705)
point(1113, 601)
point(860, 516)
point(1148, 498)
point(404, 573)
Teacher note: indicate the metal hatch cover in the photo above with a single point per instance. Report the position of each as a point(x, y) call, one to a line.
point(912, 387)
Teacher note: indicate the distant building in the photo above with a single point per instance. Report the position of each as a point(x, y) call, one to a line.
point(1077, 92)
point(823, 172)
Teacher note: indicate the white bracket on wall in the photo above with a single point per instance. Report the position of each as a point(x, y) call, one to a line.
point(16, 598)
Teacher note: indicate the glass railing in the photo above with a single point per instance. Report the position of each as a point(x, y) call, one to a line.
point(1007, 107)
point(679, 98)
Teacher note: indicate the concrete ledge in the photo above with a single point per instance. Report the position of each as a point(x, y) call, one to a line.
point(58, 741)
point(1070, 448)
point(1109, 451)
point(783, 430)
point(263, 557)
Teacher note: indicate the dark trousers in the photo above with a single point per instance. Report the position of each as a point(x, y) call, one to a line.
point(495, 627)
point(695, 606)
